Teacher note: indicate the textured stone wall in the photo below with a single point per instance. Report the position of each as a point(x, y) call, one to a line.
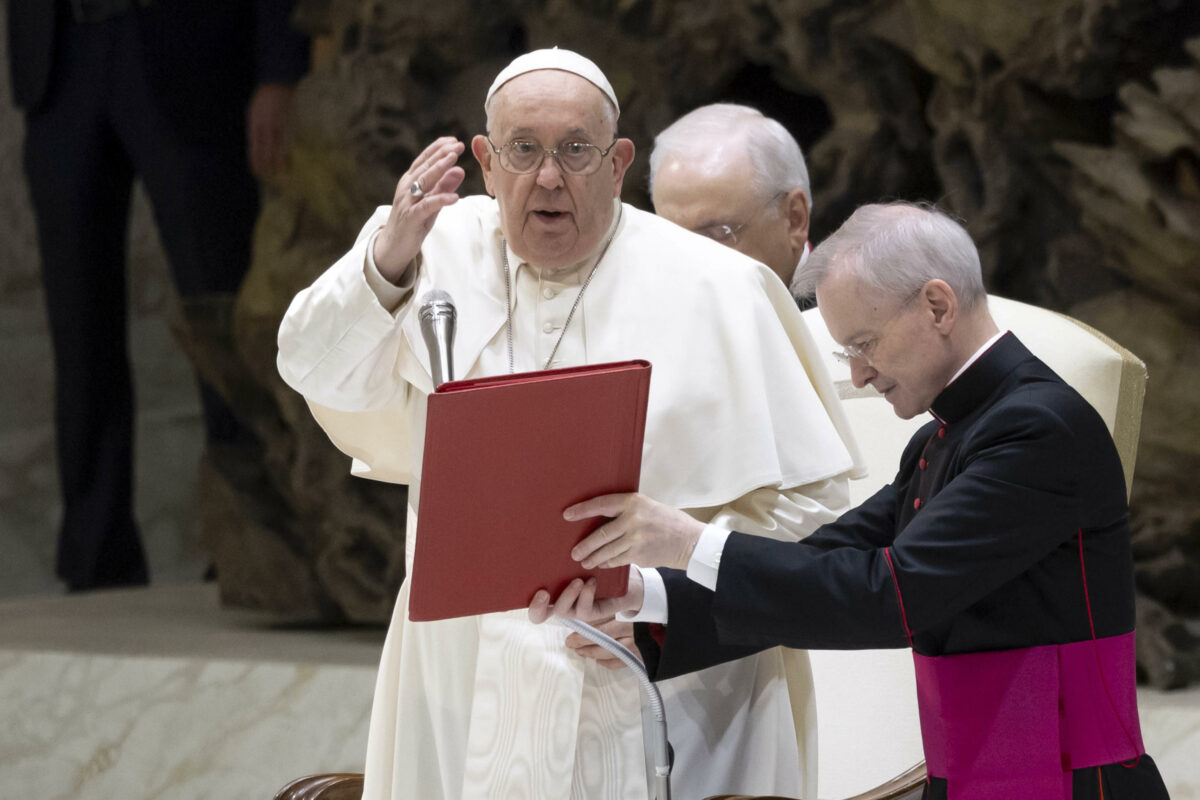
point(1065, 132)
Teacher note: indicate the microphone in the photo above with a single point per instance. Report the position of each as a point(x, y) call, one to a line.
point(659, 748)
point(437, 316)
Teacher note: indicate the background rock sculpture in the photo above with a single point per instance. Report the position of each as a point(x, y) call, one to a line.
point(1065, 132)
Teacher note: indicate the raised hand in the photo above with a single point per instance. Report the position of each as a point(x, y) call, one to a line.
point(436, 175)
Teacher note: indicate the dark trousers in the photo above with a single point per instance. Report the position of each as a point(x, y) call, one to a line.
point(98, 129)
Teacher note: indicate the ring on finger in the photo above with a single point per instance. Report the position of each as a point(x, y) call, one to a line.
point(415, 189)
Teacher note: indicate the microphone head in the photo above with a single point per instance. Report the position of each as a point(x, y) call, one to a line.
point(437, 296)
point(436, 303)
point(437, 319)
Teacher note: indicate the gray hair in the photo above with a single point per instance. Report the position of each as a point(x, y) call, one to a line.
point(897, 248)
point(775, 157)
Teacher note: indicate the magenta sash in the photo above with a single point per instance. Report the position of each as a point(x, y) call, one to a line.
point(1015, 723)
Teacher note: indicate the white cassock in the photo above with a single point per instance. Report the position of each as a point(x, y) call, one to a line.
point(743, 425)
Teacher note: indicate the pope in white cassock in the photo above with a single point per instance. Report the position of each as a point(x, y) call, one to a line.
point(743, 427)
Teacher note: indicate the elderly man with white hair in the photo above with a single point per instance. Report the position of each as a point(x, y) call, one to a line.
point(743, 427)
point(738, 177)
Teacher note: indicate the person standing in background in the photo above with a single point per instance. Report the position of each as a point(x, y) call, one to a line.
point(190, 96)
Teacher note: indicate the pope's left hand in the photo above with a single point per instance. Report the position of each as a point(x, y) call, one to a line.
point(579, 601)
point(642, 532)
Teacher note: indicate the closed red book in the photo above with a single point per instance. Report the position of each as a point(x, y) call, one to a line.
point(503, 457)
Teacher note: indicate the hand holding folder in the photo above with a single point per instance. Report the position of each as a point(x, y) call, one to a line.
point(503, 457)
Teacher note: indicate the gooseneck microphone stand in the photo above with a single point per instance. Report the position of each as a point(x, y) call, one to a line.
point(661, 754)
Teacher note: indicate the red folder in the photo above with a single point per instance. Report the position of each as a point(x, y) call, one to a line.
point(503, 457)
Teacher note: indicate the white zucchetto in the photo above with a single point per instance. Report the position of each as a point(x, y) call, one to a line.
point(554, 58)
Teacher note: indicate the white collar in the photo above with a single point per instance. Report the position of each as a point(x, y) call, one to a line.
point(976, 356)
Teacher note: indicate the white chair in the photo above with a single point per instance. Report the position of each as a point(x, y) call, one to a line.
point(868, 731)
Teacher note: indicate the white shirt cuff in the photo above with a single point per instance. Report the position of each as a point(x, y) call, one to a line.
point(706, 558)
point(654, 599)
point(390, 295)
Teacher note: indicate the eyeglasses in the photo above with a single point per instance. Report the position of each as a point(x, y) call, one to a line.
point(522, 156)
point(864, 349)
point(729, 234)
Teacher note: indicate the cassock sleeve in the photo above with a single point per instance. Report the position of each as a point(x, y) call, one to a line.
point(692, 640)
point(1013, 502)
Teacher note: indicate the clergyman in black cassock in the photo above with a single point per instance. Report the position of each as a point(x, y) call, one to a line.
point(1000, 552)
point(167, 92)
point(974, 547)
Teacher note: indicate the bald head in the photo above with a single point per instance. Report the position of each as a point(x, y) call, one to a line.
point(708, 136)
point(730, 173)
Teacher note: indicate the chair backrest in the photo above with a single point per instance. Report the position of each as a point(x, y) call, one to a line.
point(867, 725)
point(1108, 376)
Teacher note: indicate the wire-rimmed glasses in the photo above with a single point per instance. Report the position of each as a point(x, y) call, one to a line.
point(729, 233)
point(523, 156)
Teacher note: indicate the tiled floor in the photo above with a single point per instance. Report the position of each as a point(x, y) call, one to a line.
point(1171, 730)
point(161, 693)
